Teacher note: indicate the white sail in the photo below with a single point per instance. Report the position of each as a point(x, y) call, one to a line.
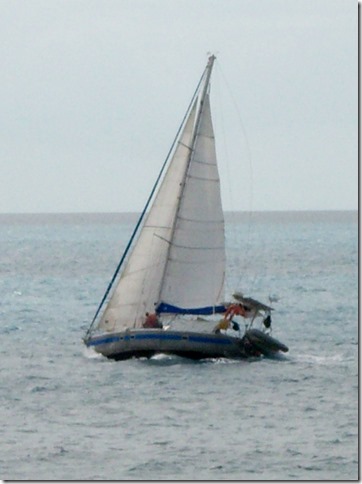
point(195, 268)
point(139, 286)
point(179, 257)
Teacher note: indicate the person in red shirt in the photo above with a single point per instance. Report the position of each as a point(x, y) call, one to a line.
point(152, 321)
point(236, 310)
point(232, 310)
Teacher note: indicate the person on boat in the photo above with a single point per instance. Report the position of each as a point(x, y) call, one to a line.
point(267, 323)
point(152, 321)
point(222, 324)
point(232, 310)
point(236, 310)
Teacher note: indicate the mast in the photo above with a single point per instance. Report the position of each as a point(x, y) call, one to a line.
point(208, 71)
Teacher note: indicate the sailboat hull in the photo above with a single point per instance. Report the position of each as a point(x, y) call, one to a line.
point(146, 343)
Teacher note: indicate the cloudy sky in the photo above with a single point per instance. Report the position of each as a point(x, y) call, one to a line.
point(92, 93)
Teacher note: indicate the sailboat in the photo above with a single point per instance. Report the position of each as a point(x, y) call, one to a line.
point(167, 293)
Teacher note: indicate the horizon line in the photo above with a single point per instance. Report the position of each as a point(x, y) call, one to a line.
point(225, 211)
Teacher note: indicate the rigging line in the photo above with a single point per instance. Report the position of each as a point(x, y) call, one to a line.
point(249, 157)
point(146, 206)
point(232, 219)
point(243, 130)
point(226, 156)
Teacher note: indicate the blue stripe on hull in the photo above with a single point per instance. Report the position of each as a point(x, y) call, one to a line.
point(205, 339)
point(101, 341)
point(165, 336)
point(160, 336)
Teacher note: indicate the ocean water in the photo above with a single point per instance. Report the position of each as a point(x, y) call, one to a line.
point(67, 413)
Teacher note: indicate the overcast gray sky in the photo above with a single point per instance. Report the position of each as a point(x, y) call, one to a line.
point(92, 93)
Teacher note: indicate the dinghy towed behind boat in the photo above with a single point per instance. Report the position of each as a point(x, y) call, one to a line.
point(168, 298)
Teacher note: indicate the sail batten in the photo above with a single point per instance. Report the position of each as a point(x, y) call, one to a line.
point(200, 178)
point(199, 221)
point(193, 247)
point(202, 162)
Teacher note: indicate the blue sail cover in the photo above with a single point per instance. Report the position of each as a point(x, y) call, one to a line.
point(207, 310)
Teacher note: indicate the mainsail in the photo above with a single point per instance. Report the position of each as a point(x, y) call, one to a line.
point(196, 263)
point(179, 257)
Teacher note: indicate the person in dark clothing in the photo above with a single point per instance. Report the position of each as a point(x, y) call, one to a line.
point(267, 322)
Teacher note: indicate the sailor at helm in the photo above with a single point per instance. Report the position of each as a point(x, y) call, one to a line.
point(232, 310)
